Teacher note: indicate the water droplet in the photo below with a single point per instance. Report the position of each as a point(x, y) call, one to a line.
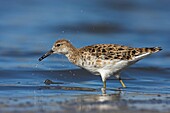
point(51, 70)
point(70, 72)
point(36, 65)
point(81, 11)
point(61, 74)
point(62, 65)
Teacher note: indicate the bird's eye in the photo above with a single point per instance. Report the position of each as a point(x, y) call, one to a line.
point(58, 45)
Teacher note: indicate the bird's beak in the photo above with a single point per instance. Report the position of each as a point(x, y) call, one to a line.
point(46, 55)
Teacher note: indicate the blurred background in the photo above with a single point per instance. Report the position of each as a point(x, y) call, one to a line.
point(28, 29)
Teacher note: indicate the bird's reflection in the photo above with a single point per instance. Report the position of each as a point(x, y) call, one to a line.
point(89, 102)
point(85, 103)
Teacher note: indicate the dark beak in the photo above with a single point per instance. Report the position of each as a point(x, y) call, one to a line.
point(46, 55)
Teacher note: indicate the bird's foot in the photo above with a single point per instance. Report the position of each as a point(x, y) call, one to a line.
point(103, 91)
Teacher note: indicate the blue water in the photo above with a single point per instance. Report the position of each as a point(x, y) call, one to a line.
point(28, 29)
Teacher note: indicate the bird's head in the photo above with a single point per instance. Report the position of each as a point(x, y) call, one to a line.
point(60, 47)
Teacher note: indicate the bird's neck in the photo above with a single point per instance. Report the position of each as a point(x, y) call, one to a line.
point(72, 54)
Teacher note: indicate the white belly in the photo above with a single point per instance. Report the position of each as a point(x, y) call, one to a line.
point(110, 68)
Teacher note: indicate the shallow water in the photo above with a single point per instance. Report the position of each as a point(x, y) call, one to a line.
point(29, 28)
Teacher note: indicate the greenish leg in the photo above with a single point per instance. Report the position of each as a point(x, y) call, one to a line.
point(104, 84)
point(104, 88)
point(123, 85)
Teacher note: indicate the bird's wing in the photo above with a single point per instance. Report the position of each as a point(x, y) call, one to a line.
point(114, 51)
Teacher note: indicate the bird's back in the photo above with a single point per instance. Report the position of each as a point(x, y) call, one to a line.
point(114, 51)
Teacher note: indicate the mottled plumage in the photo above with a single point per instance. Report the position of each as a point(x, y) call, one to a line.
point(101, 59)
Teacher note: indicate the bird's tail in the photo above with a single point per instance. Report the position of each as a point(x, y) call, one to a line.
point(151, 49)
point(155, 49)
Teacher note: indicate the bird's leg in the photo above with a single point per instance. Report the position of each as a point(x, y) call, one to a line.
point(120, 80)
point(104, 88)
point(103, 76)
point(104, 84)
